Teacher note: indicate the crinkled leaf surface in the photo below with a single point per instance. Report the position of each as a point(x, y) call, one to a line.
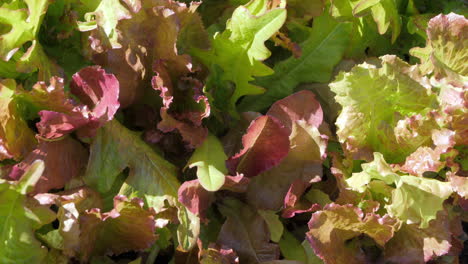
point(64, 159)
point(445, 52)
point(127, 227)
point(417, 200)
point(373, 113)
point(332, 227)
point(378, 171)
point(419, 244)
point(97, 90)
point(413, 200)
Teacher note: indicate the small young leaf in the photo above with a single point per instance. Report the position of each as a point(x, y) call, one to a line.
point(210, 161)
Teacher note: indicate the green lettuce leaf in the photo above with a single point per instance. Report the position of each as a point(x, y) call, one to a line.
point(23, 18)
point(115, 148)
point(417, 200)
point(365, 39)
point(384, 13)
point(239, 51)
point(321, 51)
point(414, 200)
point(293, 249)
point(18, 222)
point(210, 160)
point(384, 109)
point(20, 49)
point(274, 224)
point(104, 15)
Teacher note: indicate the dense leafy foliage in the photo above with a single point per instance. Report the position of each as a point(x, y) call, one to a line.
point(234, 131)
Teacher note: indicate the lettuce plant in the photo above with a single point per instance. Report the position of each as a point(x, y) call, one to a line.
point(236, 131)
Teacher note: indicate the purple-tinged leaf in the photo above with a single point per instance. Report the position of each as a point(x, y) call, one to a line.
point(128, 227)
point(266, 144)
point(331, 229)
point(64, 160)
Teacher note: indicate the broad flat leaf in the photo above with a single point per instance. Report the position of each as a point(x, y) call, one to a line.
point(188, 230)
point(365, 39)
point(291, 247)
point(246, 232)
point(16, 139)
point(239, 50)
point(302, 116)
point(417, 24)
point(298, 106)
point(197, 199)
point(321, 51)
point(330, 229)
point(17, 221)
point(266, 143)
point(64, 160)
point(373, 115)
point(210, 160)
point(445, 53)
point(115, 148)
